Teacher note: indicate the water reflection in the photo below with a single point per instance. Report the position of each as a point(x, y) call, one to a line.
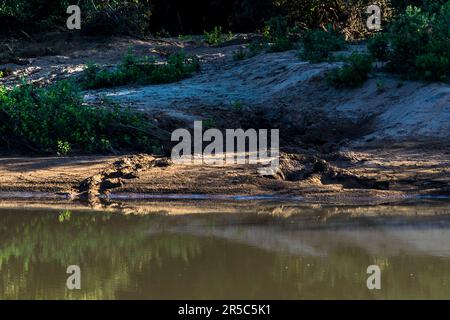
point(220, 256)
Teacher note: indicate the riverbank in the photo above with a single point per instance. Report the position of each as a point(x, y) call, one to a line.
point(346, 177)
point(386, 141)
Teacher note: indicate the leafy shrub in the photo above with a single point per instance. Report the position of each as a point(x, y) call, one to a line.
point(353, 74)
point(63, 148)
point(185, 37)
point(318, 44)
point(432, 67)
point(432, 6)
point(255, 48)
point(240, 55)
point(419, 42)
point(378, 46)
point(216, 37)
point(280, 45)
point(134, 70)
point(99, 16)
point(408, 37)
point(54, 120)
point(276, 32)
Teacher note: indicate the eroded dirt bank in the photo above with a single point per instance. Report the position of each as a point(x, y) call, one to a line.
point(275, 88)
point(386, 141)
point(370, 176)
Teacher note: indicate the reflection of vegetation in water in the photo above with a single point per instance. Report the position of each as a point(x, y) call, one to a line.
point(135, 257)
point(106, 246)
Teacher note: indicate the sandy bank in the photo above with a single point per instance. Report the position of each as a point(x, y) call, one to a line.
point(345, 177)
point(383, 142)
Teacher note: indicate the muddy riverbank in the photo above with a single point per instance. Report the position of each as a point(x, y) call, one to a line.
point(352, 177)
point(383, 142)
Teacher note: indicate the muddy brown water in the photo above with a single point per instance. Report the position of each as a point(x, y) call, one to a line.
point(308, 253)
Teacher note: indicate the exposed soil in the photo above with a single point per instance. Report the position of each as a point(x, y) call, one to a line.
point(385, 141)
point(377, 175)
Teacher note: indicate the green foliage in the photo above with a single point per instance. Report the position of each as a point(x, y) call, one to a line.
point(431, 6)
point(432, 67)
point(255, 48)
point(280, 45)
point(183, 37)
point(418, 43)
point(4, 72)
point(276, 32)
point(240, 54)
point(353, 74)
point(64, 216)
point(54, 120)
point(378, 46)
point(408, 38)
point(99, 16)
point(63, 148)
point(318, 44)
point(134, 70)
point(216, 37)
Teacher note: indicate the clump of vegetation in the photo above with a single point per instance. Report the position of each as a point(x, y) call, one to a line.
point(54, 120)
point(240, 54)
point(353, 74)
point(417, 45)
point(134, 70)
point(432, 67)
point(4, 72)
point(217, 37)
point(255, 47)
point(63, 148)
point(378, 46)
point(187, 37)
point(408, 37)
point(276, 33)
point(100, 17)
point(318, 44)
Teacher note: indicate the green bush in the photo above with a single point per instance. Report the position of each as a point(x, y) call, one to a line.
point(216, 37)
point(63, 148)
point(240, 54)
point(432, 67)
point(54, 120)
point(353, 74)
point(419, 43)
point(5, 72)
point(318, 44)
point(276, 33)
point(378, 46)
point(106, 17)
point(409, 36)
point(134, 70)
point(256, 47)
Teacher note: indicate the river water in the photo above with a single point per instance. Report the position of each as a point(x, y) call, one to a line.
point(287, 252)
